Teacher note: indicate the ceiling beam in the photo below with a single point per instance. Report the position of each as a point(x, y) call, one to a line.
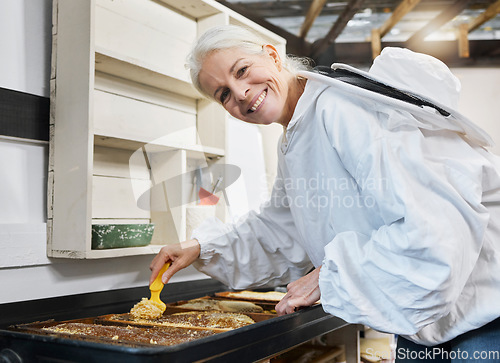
point(312, 14)
point(488, 14)
point(463, 40)
point(352, 8)
point(294, 44)
point(286, 8)
point(444, 17)
point(401, 10)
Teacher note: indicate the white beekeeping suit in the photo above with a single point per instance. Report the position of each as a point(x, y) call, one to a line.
point(399, 205)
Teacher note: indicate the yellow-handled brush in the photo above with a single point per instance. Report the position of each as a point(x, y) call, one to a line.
point(153, 308)
point(157, 286)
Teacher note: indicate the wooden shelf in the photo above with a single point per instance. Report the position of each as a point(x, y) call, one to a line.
point(118, 86)
point(202, 9)
point(113, 252)
point(153, 146)
point(195, 9)
point(133, 70)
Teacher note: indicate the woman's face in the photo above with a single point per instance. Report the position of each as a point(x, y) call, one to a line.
point(252, 88)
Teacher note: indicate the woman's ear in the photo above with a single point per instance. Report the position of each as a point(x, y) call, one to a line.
point(273, 53)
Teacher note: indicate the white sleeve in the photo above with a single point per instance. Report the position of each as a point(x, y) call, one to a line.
point(260, 250)
point(410, 271)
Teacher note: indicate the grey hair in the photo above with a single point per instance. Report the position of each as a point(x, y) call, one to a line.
point(232, 36)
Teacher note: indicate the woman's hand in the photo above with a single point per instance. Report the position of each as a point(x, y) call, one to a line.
point(303, 292)
point(180, 255)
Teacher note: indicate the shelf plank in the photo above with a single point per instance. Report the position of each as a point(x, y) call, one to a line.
point(119, 163)
point(118, 197)
point(195, 9)
point(113, 252)
point(133, 70)
point(136, 119)
point(140, 92)
point(155, 146)
point(120, 221)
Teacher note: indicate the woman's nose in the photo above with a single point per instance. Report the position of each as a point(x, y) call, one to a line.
point(242, 92)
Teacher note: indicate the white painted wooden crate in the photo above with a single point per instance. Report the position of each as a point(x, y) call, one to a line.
point(125, 117)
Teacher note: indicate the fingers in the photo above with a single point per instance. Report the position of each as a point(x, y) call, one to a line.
point(158, 262)
point(171, 271)
point(179, 255)
point(290, 304)
point(286, 305)
point(179, 262)
point(154, 272)
point(303, 292)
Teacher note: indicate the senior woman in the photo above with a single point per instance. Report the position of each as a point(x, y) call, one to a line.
point(387, 211)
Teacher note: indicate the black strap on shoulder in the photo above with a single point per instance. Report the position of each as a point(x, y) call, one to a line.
point(359, 80)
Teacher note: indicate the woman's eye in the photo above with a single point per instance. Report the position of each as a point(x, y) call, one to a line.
point(224, 94)
point(242, 71)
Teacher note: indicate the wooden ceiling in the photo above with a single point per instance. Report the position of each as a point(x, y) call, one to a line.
point(325, 30)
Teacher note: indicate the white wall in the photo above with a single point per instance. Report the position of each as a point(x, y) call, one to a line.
point(23, 177)
point(25, 38)
point(480, 99)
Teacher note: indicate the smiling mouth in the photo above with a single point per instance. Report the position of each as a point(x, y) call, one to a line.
point(258, 102)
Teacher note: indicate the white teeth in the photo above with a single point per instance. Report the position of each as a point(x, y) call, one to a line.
point(259, 101)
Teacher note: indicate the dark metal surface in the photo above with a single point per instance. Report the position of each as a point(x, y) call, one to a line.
point(99, 303)
point(247, 344)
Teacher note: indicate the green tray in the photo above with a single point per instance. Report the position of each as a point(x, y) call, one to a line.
point(105, 236)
